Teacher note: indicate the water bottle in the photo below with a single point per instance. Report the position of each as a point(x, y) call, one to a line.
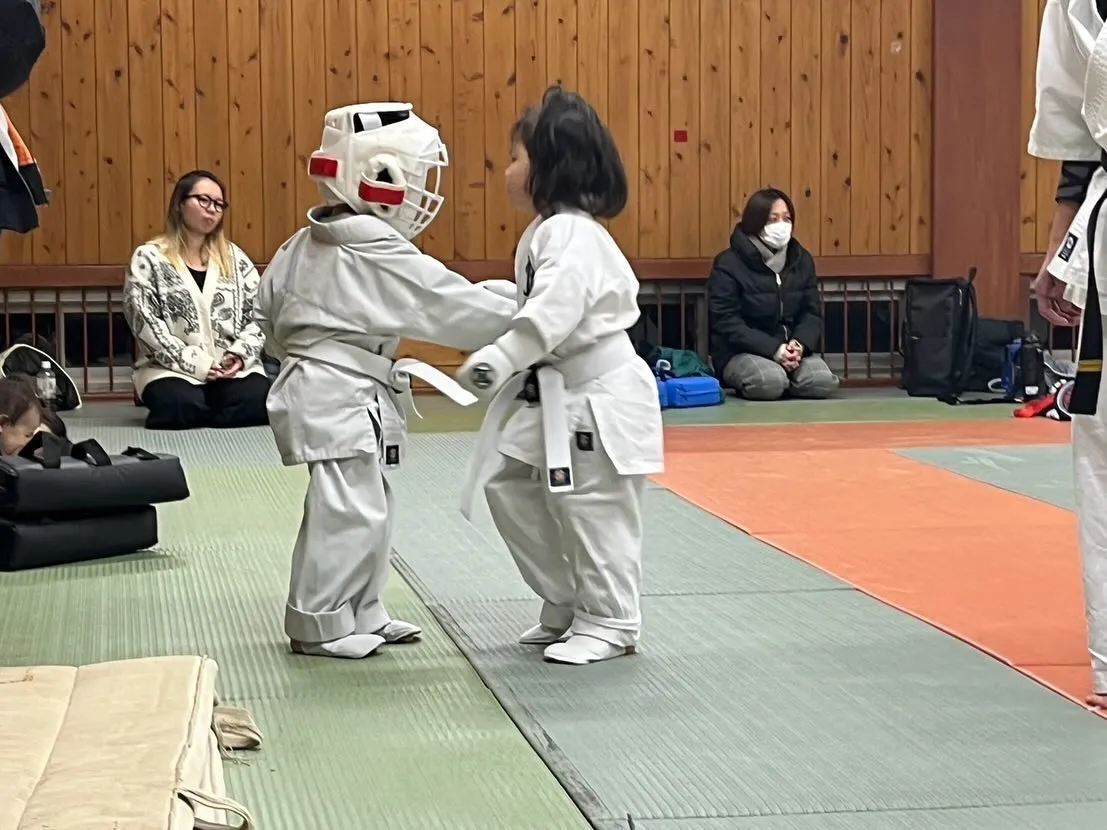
point(46, 385)
point(1032, 368)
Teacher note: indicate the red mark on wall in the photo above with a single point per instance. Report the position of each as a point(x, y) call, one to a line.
point(680, 136)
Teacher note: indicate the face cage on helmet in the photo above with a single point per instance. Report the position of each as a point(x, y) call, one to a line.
point(421, 204)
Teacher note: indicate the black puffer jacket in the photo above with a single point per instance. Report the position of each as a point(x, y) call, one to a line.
point(754, 313)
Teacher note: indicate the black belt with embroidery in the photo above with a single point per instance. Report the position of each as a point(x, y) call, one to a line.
point(1089, 365)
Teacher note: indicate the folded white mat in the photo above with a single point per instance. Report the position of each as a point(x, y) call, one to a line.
point(126, 745)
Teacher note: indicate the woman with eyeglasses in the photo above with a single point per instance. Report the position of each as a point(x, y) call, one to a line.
point(188, 298)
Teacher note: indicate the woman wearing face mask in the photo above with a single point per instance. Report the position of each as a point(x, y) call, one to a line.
point(765, 318)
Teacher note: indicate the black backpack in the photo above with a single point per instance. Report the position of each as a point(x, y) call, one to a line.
point(949, 350)
point(939, 334)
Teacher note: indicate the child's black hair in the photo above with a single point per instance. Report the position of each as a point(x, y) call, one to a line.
point(17, 398)
point(574, 163)
point(54, 424)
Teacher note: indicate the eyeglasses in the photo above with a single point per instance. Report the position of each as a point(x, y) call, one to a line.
point(208, 203)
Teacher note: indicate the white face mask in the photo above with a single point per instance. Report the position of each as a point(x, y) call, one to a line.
point(777, 234)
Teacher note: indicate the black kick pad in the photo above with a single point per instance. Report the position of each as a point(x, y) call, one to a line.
point(44, 542)
point(53, 476)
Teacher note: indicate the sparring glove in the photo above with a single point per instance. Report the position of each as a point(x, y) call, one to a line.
point(485, 371)
point(504, 288)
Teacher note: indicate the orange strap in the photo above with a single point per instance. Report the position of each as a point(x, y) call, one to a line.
point(22, 154)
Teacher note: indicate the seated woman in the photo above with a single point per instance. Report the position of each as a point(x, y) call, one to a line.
point(188, 298)
point(764, 303)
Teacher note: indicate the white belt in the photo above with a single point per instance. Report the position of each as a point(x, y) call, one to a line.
point(396, 375)
point(553, 379)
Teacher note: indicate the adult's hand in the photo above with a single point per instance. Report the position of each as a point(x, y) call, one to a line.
point(786, 357)
point(1052, 304)
point(232, 365)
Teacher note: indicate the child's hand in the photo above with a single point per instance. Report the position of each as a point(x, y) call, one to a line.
point(485, 371)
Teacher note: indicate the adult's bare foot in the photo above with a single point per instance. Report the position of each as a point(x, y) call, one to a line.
point(1096, 701)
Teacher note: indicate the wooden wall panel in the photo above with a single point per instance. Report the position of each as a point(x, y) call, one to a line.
point(709, 100)
point(1039, 177)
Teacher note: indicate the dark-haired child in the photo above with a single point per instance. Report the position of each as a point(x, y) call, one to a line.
point(566, 493)
point(20, 413)
point(52, 423)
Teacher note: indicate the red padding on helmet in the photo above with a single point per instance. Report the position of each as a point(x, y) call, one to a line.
point(377, 193)
point(323, 167)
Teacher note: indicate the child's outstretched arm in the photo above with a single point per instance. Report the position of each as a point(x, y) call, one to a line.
point(433, 303)
point(557, 298)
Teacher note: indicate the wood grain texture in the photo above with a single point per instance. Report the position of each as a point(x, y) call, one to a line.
point(709, 100)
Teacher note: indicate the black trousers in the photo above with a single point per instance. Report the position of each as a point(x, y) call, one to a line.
point(177, 404)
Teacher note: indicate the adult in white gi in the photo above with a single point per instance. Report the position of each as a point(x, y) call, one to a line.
point(1070, 125)
point(334, 303)
point(566, 494)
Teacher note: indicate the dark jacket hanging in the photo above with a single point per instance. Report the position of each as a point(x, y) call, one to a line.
point(22, 40)
point(21, 187)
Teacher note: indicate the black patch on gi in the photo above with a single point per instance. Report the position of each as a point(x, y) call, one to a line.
point(584, 442)
point(392, 455)
point(528, 286)
point(1067, 248)
point(560, 477)
point(531, 392)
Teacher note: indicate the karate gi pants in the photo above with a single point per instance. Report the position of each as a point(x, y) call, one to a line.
point(580, 551)
point(1089, 451)
point(341, 560)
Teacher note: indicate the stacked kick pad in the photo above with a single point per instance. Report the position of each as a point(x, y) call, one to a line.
point(63, 502)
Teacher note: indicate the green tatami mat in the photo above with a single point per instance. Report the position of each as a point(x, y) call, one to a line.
point(441, 415)
point(851, 407)
point(1043, 473)
point(1039, 817)
point(406, 740)
point(768, 696)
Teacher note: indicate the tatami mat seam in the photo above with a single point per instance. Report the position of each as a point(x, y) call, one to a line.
point(571, 780)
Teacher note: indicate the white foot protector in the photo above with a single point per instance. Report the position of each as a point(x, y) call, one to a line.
point(399, 631)
point(351, 647)
point(580, 650)
point(541, 635)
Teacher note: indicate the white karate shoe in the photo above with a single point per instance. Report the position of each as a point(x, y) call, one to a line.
point(580, 650)
point(541, 635)
point(398, 632)
point(351, 647)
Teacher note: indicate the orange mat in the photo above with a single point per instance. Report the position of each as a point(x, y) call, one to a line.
point(996, 569)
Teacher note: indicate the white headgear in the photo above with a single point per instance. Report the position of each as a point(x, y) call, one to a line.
point(377, 158)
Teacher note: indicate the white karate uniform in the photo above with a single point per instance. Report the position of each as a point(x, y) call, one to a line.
point(334, 303)
point(7, 146)
point(567, 498)
point(1070, 124)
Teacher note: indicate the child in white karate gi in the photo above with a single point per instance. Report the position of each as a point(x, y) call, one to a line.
point(566, 495)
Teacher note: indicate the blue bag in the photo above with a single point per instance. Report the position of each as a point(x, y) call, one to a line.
point(686, 392)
